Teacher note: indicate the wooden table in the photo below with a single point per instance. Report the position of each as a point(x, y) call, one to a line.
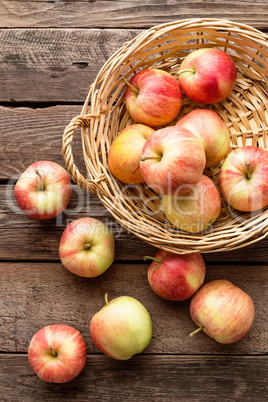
point(50, 52)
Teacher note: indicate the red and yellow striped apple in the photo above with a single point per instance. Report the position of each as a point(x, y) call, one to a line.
point(43, 190)
point(223, 311)
point(176, 277)
point(195, 211)
point(125, 152)
point(122, 328)
point(87, 247)
point(212, 132)
point(153, 97)
point(207, 75)
point(57, 353)
point(172, 160)
point(244, 178)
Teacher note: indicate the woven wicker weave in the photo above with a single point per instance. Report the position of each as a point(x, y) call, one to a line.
point(104, 115)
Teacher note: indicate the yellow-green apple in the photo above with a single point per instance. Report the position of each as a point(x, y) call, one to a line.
point(153, 97)
point(172, 160)
point(125, 152)
point(244, 178)
point(57, 353)
point(223, 311)
point(195, 211)
point(207, 75)
point(122, 328)
point(211, 130)
point(43, 190)
point(176, 277)
point(87, 247)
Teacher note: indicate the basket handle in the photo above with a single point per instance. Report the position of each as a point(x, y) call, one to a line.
point(67, 153)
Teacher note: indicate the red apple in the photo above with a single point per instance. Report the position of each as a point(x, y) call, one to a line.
point(195, 211)
point(153, 97)
point(223, 311)
point(244, 178)
point(125, 152)
point(172, 160)
point(121, 328)
point(212, 132)
point(176, 277)
point(44, 190)
point(57, 353)
point(87, 247)
point(207, 75)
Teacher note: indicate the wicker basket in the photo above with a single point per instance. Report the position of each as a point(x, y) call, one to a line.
point(104, 115)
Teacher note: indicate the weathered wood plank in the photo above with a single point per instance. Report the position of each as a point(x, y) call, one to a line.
point(137, 13)
point(143, 379)
point(34, 295)
point(54, 65)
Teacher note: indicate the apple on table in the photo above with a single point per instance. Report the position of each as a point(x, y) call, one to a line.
point(153, 97)
point(87, 247)
point(223, 311)
point(122, 328)
point(176, 276)
point(57, 353)
point(43, 190)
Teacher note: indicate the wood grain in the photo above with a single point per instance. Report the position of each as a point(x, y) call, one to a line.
point(126, 14)
point(142, 379)
point(33, 295)
point(54, 65)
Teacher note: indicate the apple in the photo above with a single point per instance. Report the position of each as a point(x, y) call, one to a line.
point(57, 353)
point(244, 178)
point(223, 311)
point(87, 247)
point(153, 97)
point(195, 211)
point(122, 328)
point(207, 75)
point(172, 160)
point(43, 190)
point(176, 277)
point(125, 152)
point(212, 132)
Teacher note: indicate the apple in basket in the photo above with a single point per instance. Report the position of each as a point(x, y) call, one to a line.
point(43, 190)
point(176, 277)
point(87, 247)
point(57, 353)
point(244, 178)
point(223, 311)
point(121, 328)
point(195, 211)
point(172, 160)
point(153, 97)
point(125, 152)
point(207, 75)
point(211, 130)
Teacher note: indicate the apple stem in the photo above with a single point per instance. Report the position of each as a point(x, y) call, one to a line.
point(196, 331)
point(145, 158)
point(106, 299)
point(42, 187)
point(248, 173)
point(130, 86)
point(187, 70)
point(148, 257)
point(52, 351)
point(87, 246)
